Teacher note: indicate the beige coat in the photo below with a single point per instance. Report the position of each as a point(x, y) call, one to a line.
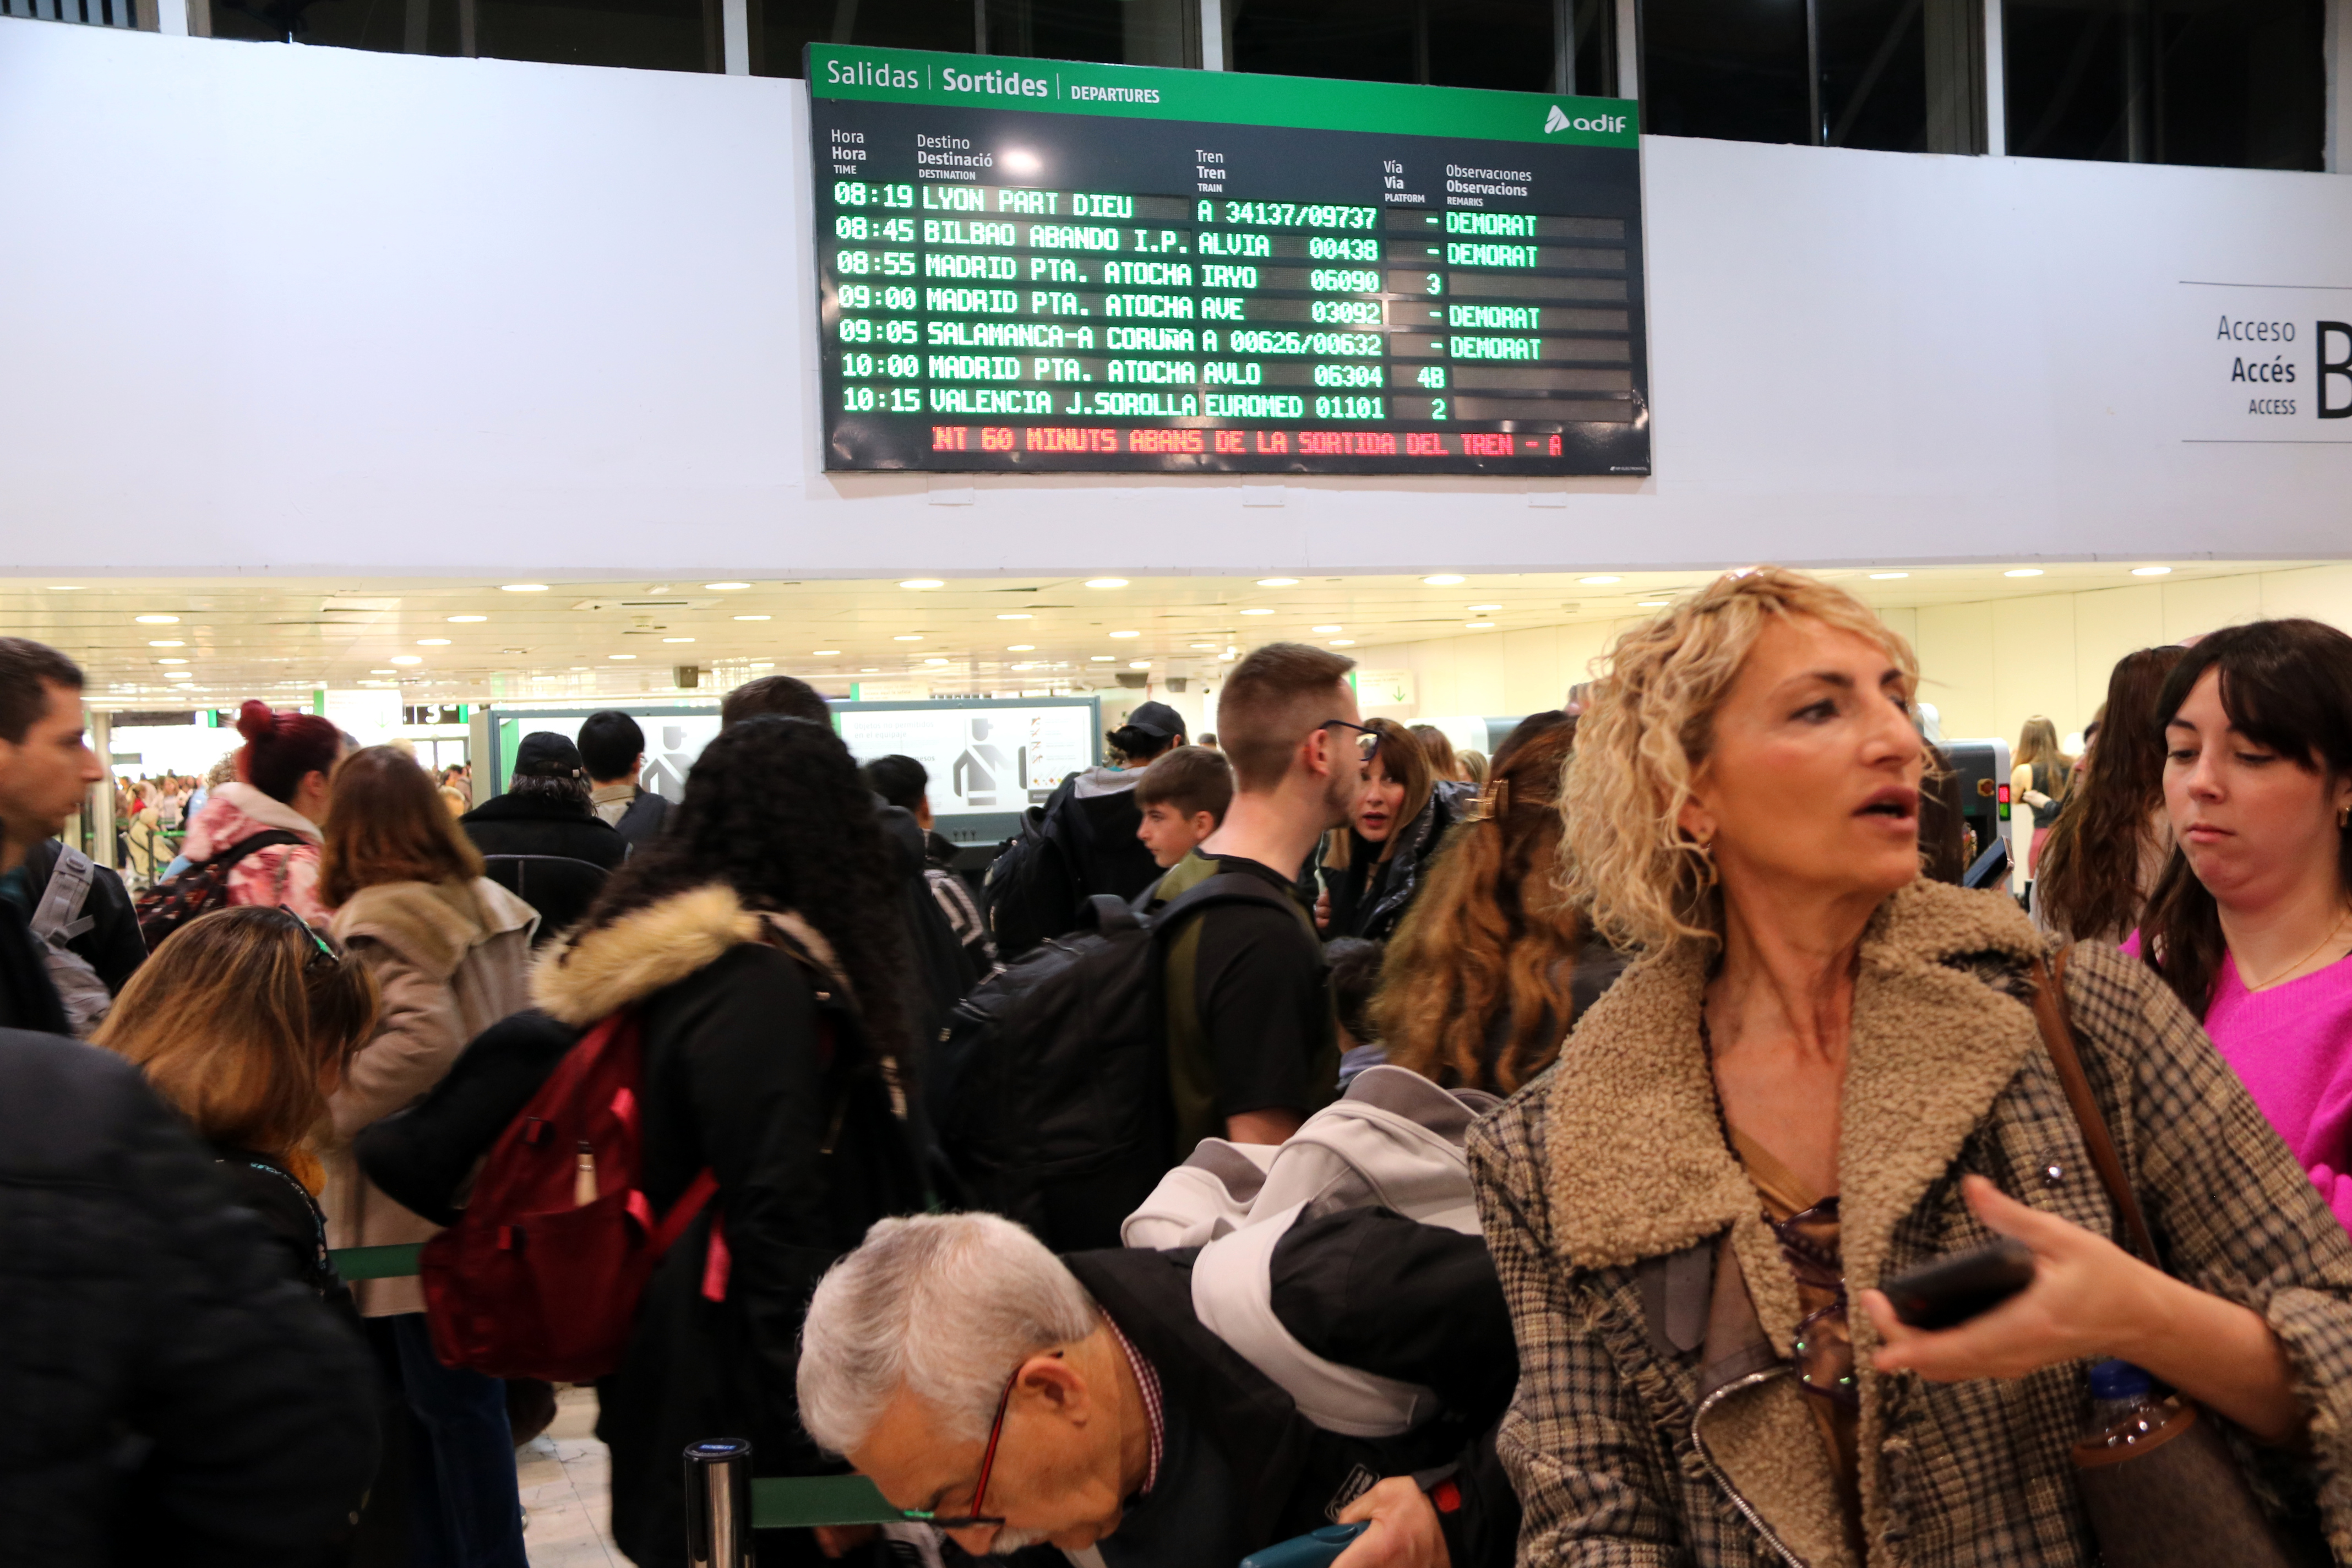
point(452, 960)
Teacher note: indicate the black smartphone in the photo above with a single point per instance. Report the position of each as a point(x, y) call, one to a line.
point(1953, 1290)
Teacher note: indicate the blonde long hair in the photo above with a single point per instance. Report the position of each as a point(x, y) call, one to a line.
point(1647, 726)
point(236, 1019)
point(1491, 934)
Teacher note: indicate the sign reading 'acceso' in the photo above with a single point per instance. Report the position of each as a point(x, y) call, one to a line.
point(1061, 266)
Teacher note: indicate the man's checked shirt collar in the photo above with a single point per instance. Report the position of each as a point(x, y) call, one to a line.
point(1147, 1379)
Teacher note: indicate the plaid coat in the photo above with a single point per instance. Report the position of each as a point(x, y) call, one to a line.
point(1614, 1160)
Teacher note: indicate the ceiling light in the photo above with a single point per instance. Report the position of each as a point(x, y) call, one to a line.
point(1206, 645)
point(1887, 576)
point(620, 656)
point(65, 587)
point(522, 587)
point(814, 653)
point(1126, 634)
point(1098, 658)
point(157, 620)
point(406, 659)
point(167, 642)
point(1257, 611)
point(1443, 580)
point(1477, 626)
point(1021, 647)
point(170, 661)
point(935, 661)
point(922, 582)
point(1343, 642)
point(1277, 581)
point(1601, 582)
point(753, 617)
point(1650, 604)
point(1483, 609)
point(869, 669)
point(727, 587)
point(468, 620)
point(2151, 570)
point(179, 675)
point(2023, 572)
point(677, 639)
point(1106, 581)
point(1138, 664)
point(384, 672)
point(1330, 628)
point(432, 642)
point(907, 636)
point(1015, 616)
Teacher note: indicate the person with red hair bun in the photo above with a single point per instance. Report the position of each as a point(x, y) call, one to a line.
point(281, 789)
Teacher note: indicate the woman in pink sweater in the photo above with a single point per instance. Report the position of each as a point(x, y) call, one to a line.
point(2251, 922)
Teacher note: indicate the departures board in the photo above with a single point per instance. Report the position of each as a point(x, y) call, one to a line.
point(1036, 265)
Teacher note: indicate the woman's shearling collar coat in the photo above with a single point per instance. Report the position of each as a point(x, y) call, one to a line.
point(1615, 1159)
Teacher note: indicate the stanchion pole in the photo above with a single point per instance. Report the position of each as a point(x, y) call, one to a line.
point(718, 1504)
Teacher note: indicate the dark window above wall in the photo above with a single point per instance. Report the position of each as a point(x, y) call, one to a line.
point(1116, 32)
point(649, 35)
point(1508, 44)
point(2236, 83)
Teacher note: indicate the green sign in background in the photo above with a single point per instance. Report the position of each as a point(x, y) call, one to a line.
point(1224, 97)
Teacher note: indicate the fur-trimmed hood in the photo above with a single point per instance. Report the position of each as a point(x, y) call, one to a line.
point(597, 973)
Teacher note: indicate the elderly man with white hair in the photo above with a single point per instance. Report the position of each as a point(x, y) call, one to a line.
point(1015, 1398)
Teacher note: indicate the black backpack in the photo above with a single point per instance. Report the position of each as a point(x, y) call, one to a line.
point(1048, 1088)
point(201, 889)
point(1028, 890)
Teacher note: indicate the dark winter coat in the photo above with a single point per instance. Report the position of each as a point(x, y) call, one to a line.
point(1366, 1289)
point(1369, 895)
point(172, 1396)
point(755, 1067)
point(521, 823)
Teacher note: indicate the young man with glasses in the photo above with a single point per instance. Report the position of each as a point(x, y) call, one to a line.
point(1251, 1049)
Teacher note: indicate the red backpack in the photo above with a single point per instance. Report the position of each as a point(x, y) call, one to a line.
point(542, 1275)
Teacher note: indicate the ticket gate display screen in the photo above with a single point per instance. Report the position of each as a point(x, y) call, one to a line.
point(1047, 266)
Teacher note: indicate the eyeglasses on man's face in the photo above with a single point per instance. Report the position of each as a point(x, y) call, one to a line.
point(975, 1518)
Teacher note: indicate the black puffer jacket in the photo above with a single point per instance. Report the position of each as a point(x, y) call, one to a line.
point(171, 1396)
point(1369, 895)
point(756, 1069)
point(518, 823)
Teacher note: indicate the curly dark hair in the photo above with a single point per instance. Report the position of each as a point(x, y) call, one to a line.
point(774, 808)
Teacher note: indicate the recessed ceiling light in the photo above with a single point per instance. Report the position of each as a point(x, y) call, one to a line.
point(2023, 572)
point(753, 617)
point(167, 642)
point(935, 661)
point(1483, 609)
point(1106, 581)
point(1100, 658)
point(432, 642)
point(814, 653)
point(1479, 626)
point(1887, 576)
point(922, 582)
point(384, 672)
point(677, 639)
point(1277, 581)
point(1650, 604)
point(65, 587)
point(1257, 611)
point(2151, 570)
point(1343, 642)
point(170, 661)
point(727, 587)
point(522, 587)
point(1126, 634)
point(1021, 647)
point(1206, 645)
point(406, 659)
point(1601, 582)
point(179, 675)
point(869, 669)
point(1015, 616)
point(1138, 664)
point(1443, 580)
point(157, 620)
point(620, 656)
point(1330, 628)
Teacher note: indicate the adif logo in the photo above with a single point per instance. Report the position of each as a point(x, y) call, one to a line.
point(1558, 121)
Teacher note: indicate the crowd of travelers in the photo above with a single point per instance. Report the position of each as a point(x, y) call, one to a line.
point(1529, 1158)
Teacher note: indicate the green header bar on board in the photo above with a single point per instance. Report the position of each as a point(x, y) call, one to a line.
point(1224, 98)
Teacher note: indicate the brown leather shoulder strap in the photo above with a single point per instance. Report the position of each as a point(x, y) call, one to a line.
point(2058, 1039)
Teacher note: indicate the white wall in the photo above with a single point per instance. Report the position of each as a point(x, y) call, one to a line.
point(1987, 667)
point(278, 308)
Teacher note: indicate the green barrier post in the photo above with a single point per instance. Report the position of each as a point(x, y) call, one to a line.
point(357, 1263)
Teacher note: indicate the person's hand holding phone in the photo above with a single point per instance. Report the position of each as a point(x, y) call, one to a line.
point(2089, 1297)
point(1405, 1534)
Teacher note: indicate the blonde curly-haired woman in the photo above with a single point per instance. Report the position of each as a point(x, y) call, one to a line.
point(1825, 1071)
